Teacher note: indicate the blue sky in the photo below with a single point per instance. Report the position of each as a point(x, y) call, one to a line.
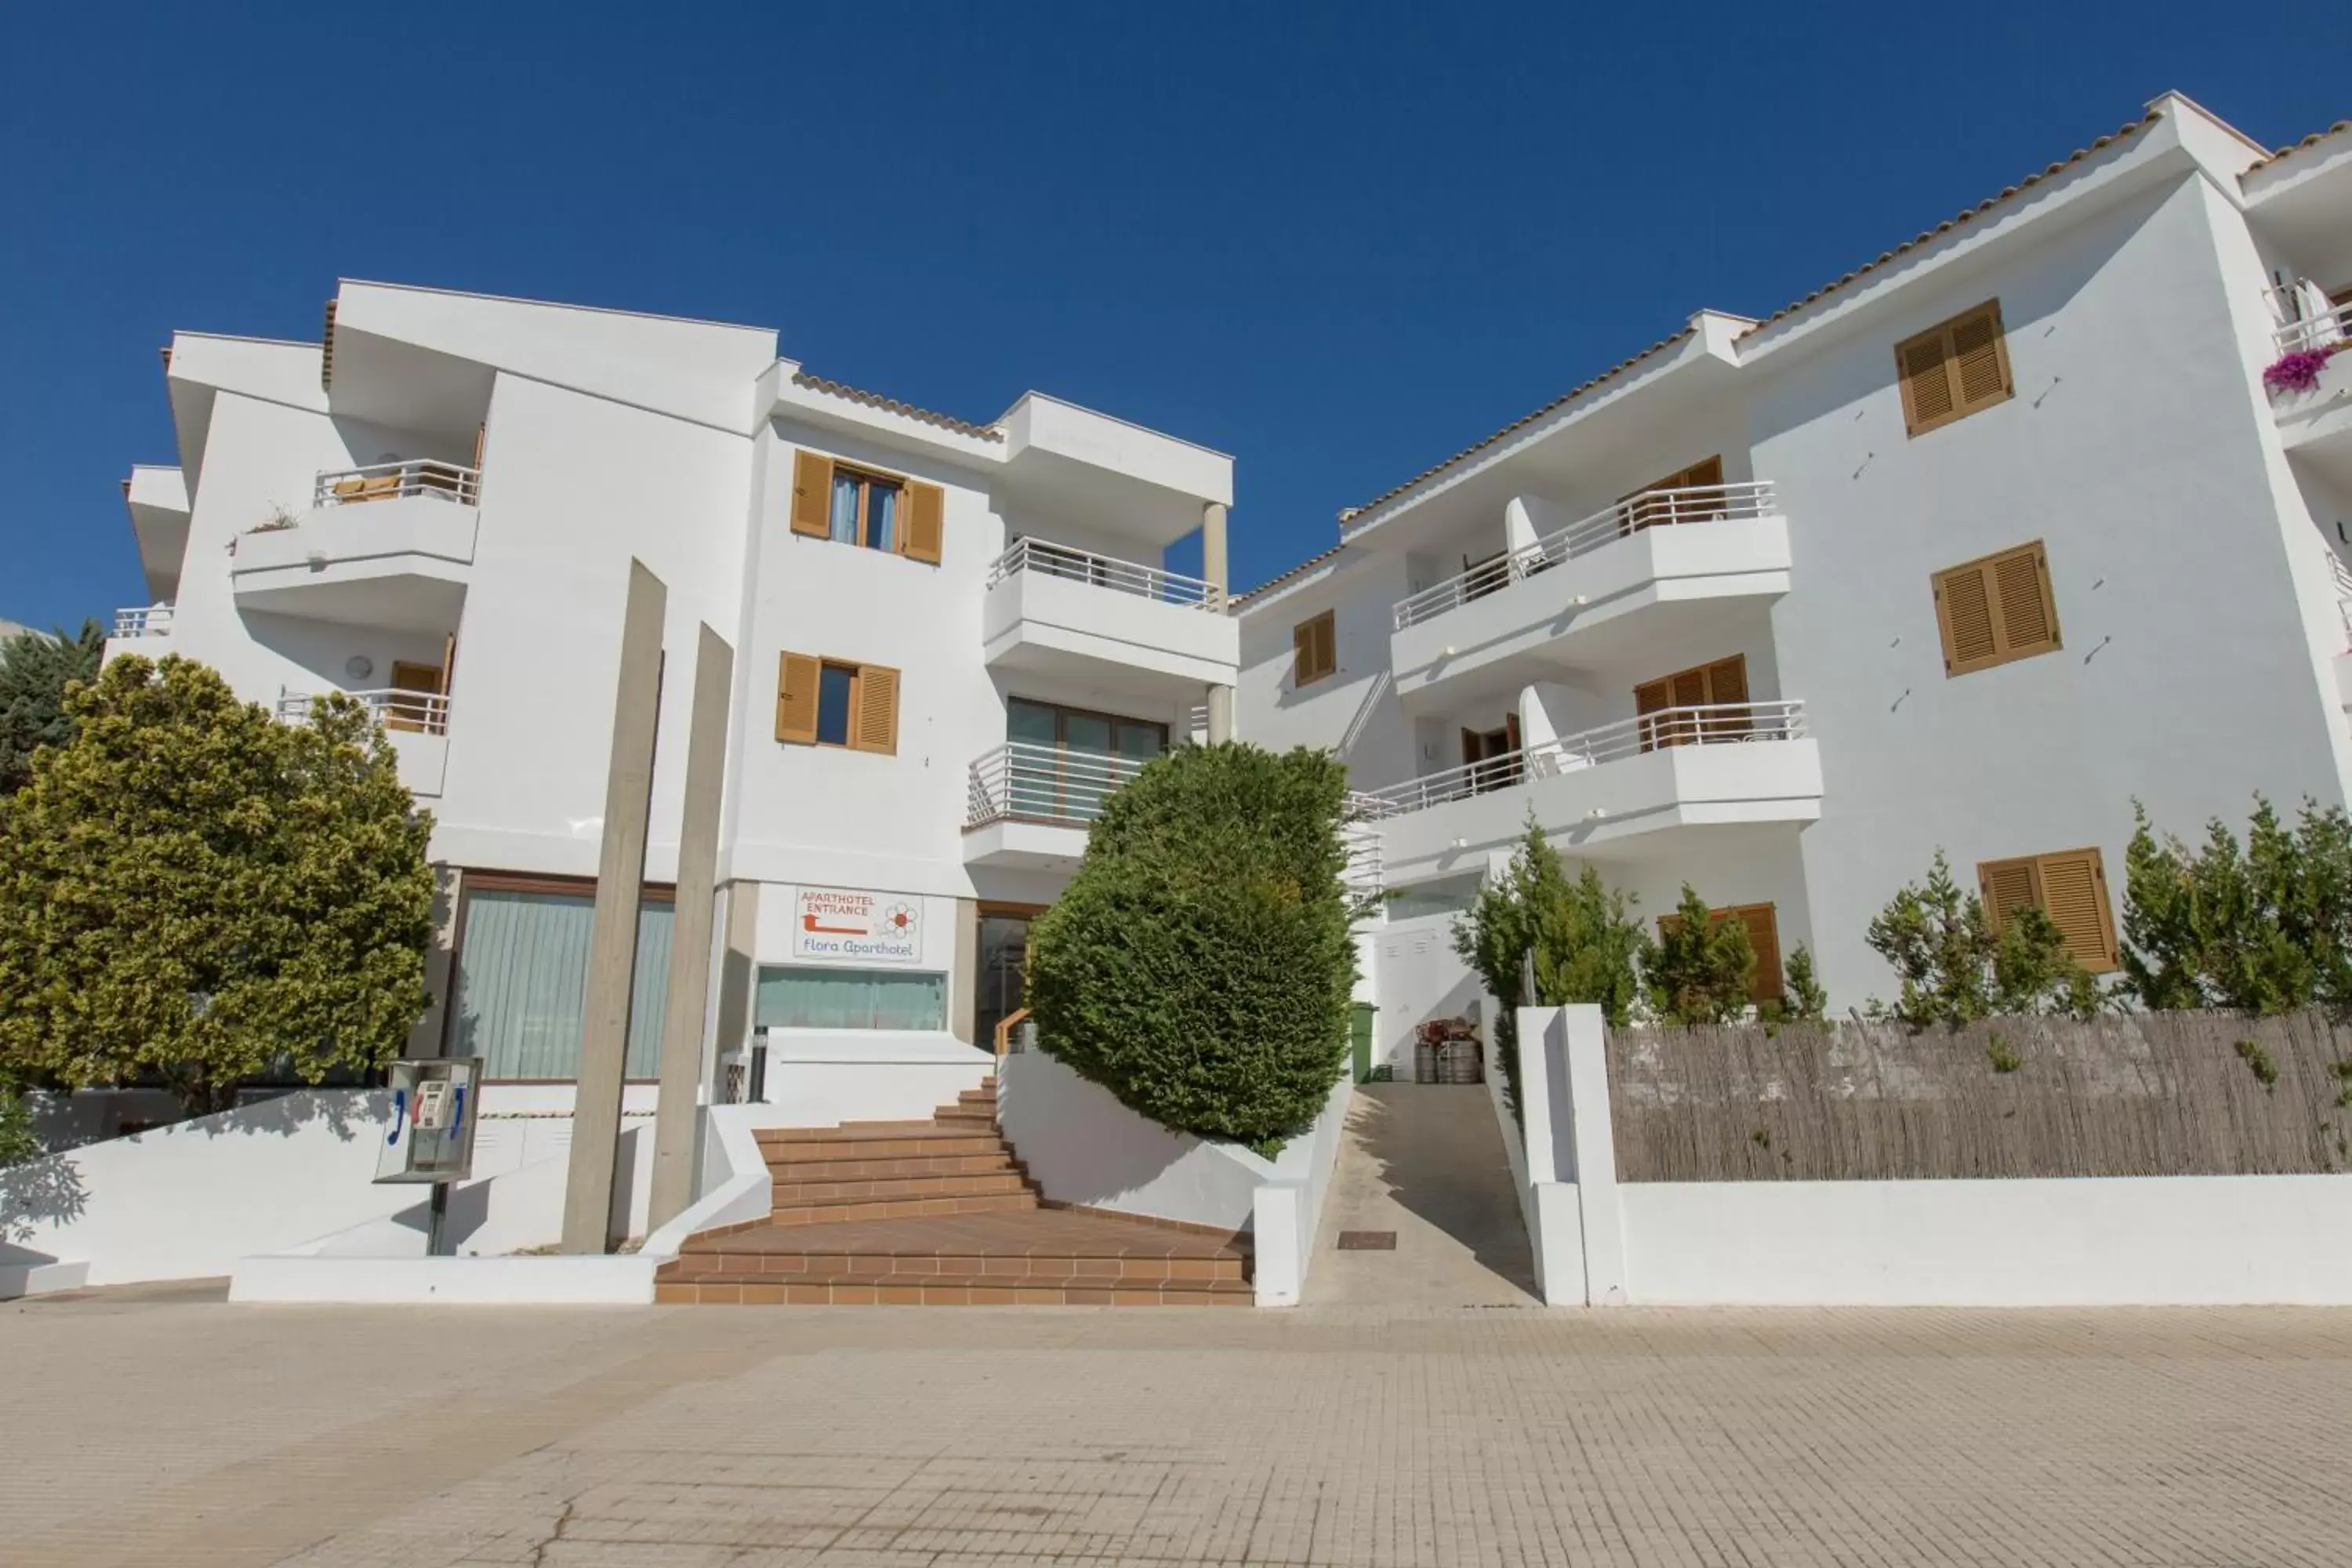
point(1340, 242)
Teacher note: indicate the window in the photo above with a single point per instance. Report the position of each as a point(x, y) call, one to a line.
point(2069, 887)
point(851, 505)
point(521, 979)
point(828, 702)
point(1097, 754)
point(1951, 371)
point(408, 708)
point(1492, 755)
point(812, 999)
point(1721, 686)
point(1317, 648)
point(1646, 508)
point(1763, 923)
point(1996, 608)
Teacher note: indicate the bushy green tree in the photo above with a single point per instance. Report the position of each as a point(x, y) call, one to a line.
point(191, 889)
point(35, 673)
point(1580, 940)
point(1803, 999)
point(17, 1143)
point(2265, 928)
point(1199, 963)
point(1953, 970)
point(1698, 970)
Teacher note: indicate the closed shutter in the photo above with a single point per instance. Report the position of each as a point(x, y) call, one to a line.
point(2074, 893)
point(1648, 698)
point(1952, 370)
point(1726, 683)
point(1315, 649)
point(812, 502)
point(926, 522)
point(481, 439)
point(876, 727)
point(1327, 643)
point(797, 678)
point(1763, 923)
point(1995, 609)
point(2006, 887)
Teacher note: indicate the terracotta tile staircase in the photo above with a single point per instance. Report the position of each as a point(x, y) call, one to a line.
point(940, 1212)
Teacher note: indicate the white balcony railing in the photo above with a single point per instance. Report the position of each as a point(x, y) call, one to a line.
point(1716, 724)
point(1651, 509)
point(414, 712)
point(390, 481)
point(146, 621)
point(1042, 783)
point(1053, 560)
point(2307, 318)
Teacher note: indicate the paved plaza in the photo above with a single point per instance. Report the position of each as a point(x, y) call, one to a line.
point(166, 1426)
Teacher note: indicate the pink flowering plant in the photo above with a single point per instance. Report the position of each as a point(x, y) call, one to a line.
point(2298, 372)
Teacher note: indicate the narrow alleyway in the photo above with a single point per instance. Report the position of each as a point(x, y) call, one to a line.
point(1426, 1162)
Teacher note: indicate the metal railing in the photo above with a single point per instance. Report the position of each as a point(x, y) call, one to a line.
point(414, 712)
point(2343, 576)
point(390, 481)
point(1651, 509)
point(1713, 724)
point(1053, 560)
point(1042, 783)
point(2302, 328)
point(148, 621)
point(1362, 838)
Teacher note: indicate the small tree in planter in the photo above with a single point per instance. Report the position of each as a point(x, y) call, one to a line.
point(1954, 970)
point(191, 889)
point(1698, 970)
point(2265, 928)
point(1200, 965)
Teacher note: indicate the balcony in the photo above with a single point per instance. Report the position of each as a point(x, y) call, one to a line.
point(1644, 577)
point(388, 545)
point(2315, 420)
point(1056, 611)
point(1606, 792)
point(141, 622)
point(416, 722)
point(1029, 805)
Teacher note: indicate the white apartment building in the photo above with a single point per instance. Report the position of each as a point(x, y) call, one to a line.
point(1966, 548)
point(950, 641)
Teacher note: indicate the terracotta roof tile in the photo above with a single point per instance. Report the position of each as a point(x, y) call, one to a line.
point(1476, 446)
point(1982, 207)
point(2314, 140)
point(892, 406)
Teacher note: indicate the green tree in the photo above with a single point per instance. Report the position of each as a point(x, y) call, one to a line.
point(190, 888)
point(1580, 939)
point(1803, 1000)
point(35, 673)
point(1199, 966)
point(2265, 928)
point(1698, 970)
point(1953, 970)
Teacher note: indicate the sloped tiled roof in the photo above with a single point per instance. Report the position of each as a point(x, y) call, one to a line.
point(892, 406)
point(1271, 584)
point(2314, 140)
point(1950, 224)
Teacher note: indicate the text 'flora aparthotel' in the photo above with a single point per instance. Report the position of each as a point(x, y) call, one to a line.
point(1966, 549)
point(950, 642)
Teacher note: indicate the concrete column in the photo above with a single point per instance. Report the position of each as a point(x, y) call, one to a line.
point(428, 1036)
point(612, 936)
point(737, 971)
point(1215, 568)
point(1221, 715)
point(689, 953)
point(963, 1001)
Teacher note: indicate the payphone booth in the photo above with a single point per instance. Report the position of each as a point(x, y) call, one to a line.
point(431, 1135)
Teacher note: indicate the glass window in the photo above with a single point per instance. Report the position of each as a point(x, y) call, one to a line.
point(811, 998)
point(865, 510)
point(522, 982)
point(836, 693)
point(843, 522)
point(881, 515)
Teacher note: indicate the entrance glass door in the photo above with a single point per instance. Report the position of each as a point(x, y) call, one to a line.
point(1003, 949)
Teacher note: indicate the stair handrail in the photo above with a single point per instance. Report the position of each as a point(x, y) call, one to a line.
point(1011, 1022)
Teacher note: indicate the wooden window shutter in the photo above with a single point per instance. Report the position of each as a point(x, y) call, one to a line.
point(481, 439)
point(2005, 886)
point(1727, 682)
point(1315, 648)
point(926, 527)
point(1648, 698)
point(797, 678)
point(812, 505)
point(1763, 923)
point(1995, 609)
point(1953, 369)
point(875, 725)
point(2075, 894)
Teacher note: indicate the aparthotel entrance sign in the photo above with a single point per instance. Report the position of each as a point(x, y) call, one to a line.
point(863, 928)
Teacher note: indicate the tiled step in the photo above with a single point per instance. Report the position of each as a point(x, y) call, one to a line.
point(978, 1185)
point(944, 1290)
point(903, 1208)
point(994, 1162)
point(844, 1143)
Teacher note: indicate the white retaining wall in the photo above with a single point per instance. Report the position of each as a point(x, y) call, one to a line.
point(2120, 1241)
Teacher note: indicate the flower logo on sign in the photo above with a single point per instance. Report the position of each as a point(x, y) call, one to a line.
point(898, 919)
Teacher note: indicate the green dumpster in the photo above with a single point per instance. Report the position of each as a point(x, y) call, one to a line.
point(1360, 1037)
